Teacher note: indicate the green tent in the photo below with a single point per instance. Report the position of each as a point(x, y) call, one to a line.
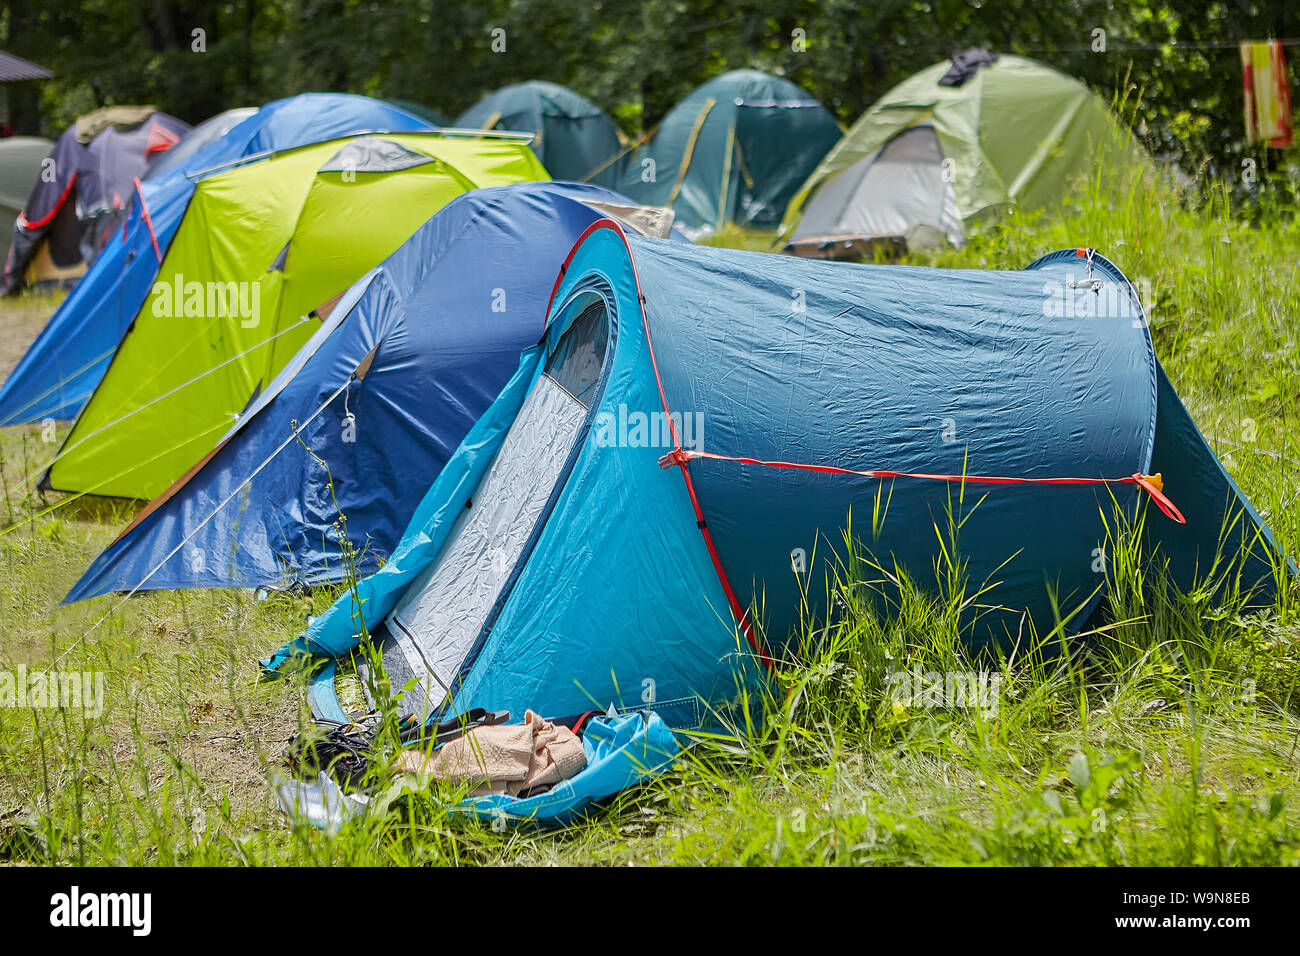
point(945, 146)
point(262, 252)
point(575, 139)
point(733, 151)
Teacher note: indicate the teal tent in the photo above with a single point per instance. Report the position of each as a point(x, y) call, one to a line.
point(572, 136)
point(658, 497)
point(734, 151)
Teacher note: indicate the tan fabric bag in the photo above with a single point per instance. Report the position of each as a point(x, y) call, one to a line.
point(503, 758)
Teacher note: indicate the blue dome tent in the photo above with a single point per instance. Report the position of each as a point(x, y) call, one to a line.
point(687, 442)
point(65, 363)
point(382, 395)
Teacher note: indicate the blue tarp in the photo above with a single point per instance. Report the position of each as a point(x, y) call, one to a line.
point(65, 363)
point(446, 317)
point(1043, 373)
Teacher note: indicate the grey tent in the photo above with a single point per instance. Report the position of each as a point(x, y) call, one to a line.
point(904, 193)
point(206, 133)
point(20, 164)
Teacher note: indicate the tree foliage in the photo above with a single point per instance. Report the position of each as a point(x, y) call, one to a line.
point(1174, 65)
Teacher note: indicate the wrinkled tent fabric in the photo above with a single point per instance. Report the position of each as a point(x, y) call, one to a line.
point(63, 365)
point(282, 237)
point(1015, 131)
point(733, 151)
point(20, 165)
point(90, 181)
point(420, 346)
point(573, 137)
point(595, 573)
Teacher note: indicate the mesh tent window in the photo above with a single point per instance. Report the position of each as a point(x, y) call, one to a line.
point(579, 355)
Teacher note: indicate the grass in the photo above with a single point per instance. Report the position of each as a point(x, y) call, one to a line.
point(1171, 737)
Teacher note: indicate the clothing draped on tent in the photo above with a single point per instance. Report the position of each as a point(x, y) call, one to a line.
point(82, 191)
point(65, 363)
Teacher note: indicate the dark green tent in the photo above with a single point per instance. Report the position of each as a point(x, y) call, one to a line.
point(735, 150)
point(573, 137)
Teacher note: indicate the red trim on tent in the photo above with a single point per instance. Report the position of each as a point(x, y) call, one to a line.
point(148, 220)
point(45, 220)
point(745, 624)
point(1151, 484)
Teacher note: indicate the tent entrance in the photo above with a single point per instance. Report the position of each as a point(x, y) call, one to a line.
point(900, 195)
point(439, 621)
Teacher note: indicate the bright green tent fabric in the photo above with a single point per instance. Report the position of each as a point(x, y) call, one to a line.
point(260, 248)
point(1016, 131)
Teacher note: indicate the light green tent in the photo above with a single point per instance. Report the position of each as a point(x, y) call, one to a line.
point(263, 250)
point(928, 158)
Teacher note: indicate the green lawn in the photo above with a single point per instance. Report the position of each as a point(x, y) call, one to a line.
point(1173, 737)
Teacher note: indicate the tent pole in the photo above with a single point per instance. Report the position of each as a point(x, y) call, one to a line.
point(690, 151)
point(723, 195)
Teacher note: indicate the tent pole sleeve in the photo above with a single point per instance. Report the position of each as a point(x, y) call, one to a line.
point(148, 220)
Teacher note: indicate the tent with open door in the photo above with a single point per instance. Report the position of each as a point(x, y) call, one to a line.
point(947, 146)
point(255, 264)
point(381, 397)
point(688, 441)
point(81, 194)
point(733, 151)
point(66, 361)
point(574, 138)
